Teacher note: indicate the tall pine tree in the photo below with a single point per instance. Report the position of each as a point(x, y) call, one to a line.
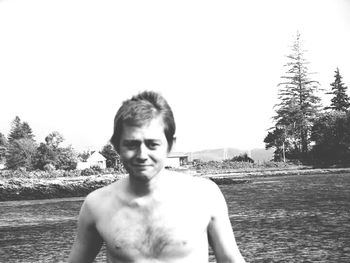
point(21, 148)
point(15, 132)
point(3, 147)
point(298, 102)
point(20, 130)
point(340, 100)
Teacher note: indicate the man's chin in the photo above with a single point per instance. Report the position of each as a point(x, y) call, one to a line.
point(142, 176)
point(142, 173)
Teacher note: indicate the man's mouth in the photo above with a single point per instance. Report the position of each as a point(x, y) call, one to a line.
point(141, 166)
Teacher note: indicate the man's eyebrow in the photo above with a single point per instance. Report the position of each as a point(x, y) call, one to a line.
point(153, 141)
point(131, 141)
point(138, 141)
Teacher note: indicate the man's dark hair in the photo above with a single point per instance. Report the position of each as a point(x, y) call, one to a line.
point(141, 109)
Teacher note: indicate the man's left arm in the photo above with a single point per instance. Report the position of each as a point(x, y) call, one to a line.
point(220, 233)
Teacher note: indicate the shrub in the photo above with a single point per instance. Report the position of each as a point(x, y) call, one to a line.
point(88, 172)
point(21, 154)
point(49, 167)
point(97, 169)
point(72, 173)
point(242, 158)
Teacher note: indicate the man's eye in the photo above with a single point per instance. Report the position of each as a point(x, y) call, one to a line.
point(153, 145)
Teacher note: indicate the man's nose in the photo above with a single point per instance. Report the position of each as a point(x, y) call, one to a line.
point(142, 152)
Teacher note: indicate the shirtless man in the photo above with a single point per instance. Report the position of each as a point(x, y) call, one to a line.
point(153, 215)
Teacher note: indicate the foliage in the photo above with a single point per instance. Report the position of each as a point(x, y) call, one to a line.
point(331, 134)
point(242, 158)
point(50, 153)
point(113, 158)
point(276, 138)
point(340, 100)
point(21, 147)
point(88, 172)
point(15, 132)
point(83, 156)
point(3, 141)
point(7, 174)
point(298, 106)
point(3, 147)
point(21, 153)
point(49, 167)
point(227, 166)
point(67, 158)
point(45, 155)
point(19, 130)
point(110, 154)
point(219, 166)
point(54, 139)
point(97, 168)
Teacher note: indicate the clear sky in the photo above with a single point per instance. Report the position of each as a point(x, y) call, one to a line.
point(67, 65)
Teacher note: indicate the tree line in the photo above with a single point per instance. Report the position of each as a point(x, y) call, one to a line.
point(19, 150)
point(304, 130)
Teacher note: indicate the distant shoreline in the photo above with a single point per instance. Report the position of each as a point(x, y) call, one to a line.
point(47, 188)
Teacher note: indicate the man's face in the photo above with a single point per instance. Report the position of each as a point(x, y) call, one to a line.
point(143, 149)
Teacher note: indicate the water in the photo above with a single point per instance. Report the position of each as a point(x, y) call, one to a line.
point(293, 219)
point(280, 219)
point(37, 231)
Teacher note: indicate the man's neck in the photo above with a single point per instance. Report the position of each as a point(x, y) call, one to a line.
point(144, 188)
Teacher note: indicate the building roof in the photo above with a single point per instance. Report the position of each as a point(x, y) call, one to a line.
point(177, 155)
point(95, 157)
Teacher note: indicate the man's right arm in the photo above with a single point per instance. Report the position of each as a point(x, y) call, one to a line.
point(220, 234)
point(88, 242)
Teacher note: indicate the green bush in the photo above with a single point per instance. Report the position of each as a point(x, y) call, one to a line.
point(72, 173)
point(88, 172)
point(97, 169)
point(242, 158)
point(225, 166)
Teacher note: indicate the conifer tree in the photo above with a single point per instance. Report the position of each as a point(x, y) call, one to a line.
point(15, 132)
point(3, 147)
point(298, 102)
point(27, 131)
point(21, 148)
point(20, 130)
point(340, 100)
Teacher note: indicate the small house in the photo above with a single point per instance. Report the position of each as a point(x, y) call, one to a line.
point(176, 160)
point(94, 160)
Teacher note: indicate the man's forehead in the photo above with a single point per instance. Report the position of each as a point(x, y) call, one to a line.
point(150, 130)
point(144, 124)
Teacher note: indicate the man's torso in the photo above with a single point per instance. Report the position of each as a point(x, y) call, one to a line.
point(169, 228)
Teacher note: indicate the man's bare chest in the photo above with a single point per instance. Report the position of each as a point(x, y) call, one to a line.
point(164, 231)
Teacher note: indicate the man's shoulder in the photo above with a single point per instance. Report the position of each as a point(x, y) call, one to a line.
point(176, 176)
point(103, 194)
point(192, 182)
